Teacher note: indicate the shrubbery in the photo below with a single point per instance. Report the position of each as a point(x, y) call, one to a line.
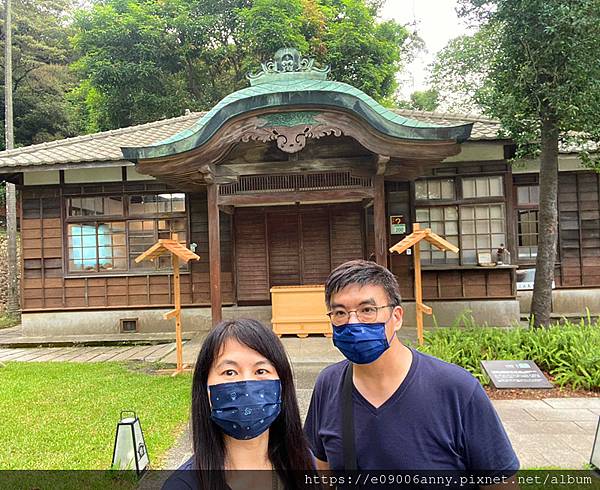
point(570, 352)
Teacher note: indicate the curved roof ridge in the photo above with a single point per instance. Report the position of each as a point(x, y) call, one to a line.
point(299, 92)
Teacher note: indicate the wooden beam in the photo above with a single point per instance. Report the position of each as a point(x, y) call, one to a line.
point(379, 221)
point(381, 162)
point(297, 196)
point(170, 314)
point(227, 209)
point(359, 166)
point(214, 251)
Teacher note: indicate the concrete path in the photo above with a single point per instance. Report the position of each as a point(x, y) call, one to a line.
point(551, 432)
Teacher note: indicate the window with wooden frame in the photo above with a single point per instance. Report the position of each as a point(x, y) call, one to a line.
point(469, 211)
point(106, 233)
point(528, 199)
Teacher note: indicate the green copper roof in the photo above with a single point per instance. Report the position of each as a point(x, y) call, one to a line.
point(293, 89)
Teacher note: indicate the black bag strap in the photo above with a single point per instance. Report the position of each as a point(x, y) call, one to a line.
point(348, 422)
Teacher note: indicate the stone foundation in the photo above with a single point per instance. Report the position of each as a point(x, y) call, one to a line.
point(493, 313)
point(567, 302)
point(497, 313)
point(65, 323)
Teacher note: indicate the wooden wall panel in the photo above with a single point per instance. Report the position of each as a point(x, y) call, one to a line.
point(45, 284)
point(41, 248)
point(579, 229)
point(252, 269)
point(199, 287)
point(283, 242)
point(347, 234)
point(316, 259)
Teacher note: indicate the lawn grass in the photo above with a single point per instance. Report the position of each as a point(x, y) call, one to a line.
point(64, 415)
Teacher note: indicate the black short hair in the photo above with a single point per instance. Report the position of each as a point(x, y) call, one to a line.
point(364, 273)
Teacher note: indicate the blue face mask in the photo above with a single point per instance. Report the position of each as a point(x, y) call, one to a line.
point(245, 409)
point(361, 343)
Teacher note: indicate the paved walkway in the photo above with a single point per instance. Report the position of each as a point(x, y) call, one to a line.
point(148, 353)
point(13, 337)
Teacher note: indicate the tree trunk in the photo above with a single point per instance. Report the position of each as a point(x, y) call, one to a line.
point(11, 210)
point(541, 303)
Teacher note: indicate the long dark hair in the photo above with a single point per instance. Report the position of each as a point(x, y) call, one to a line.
point(288, 450)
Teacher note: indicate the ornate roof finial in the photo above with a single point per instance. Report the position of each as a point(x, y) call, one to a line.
point(288, 62)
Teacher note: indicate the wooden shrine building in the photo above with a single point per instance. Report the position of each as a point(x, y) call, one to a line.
point(276, 185)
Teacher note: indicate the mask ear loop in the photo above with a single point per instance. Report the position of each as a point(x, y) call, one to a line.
point(395, 330)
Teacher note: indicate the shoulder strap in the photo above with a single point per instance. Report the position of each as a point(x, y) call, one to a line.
point(348, 422)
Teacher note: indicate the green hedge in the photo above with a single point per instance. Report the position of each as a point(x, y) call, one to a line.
point(570, 352)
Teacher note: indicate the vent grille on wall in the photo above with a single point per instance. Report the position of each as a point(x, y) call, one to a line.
point(129, 325)
point(294, 182)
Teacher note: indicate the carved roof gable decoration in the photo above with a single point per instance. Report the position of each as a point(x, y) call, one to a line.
point(290, 63)
point(289, 129)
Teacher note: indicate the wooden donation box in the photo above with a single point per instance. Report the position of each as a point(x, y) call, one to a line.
point(413, 241)
point(299, 310)
point(178, 252)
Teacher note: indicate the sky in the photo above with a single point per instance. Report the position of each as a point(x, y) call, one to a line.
point(436, 23)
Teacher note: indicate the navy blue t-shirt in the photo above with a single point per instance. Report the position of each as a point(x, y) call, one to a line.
point(184, 478)
point(440, 418)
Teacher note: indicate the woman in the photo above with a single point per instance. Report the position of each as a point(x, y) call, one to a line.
point(244, 413)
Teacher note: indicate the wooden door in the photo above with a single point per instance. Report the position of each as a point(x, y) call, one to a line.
point(293, 245)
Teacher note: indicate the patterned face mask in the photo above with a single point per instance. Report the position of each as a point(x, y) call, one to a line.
point(245, 409)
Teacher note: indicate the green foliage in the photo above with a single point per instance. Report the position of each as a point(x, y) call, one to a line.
point(142, 60)
point(529, 61)
point(64, 415)
point(421, 100)
point(569, 352)
point(7, 320)
point(460, 69)
point(41, 76)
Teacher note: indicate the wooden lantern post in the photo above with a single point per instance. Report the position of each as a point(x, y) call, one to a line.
point(177, 251)
point(413, 241)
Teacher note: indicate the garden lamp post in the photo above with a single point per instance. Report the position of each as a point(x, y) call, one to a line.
point(130, 447)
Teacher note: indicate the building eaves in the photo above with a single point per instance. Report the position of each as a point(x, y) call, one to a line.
point(105, 148)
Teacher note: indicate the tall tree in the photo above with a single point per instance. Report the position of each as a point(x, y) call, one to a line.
point(540, 75)
point(146, 59)
point(41, 76)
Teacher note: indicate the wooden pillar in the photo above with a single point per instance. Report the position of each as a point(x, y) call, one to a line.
point(418, 287)
point(380, 221)
point(214, 252)
point(177, 294)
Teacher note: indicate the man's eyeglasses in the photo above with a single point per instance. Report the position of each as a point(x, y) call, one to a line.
point(364, 314)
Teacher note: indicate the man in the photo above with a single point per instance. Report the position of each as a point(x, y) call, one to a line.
point(410, 411)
